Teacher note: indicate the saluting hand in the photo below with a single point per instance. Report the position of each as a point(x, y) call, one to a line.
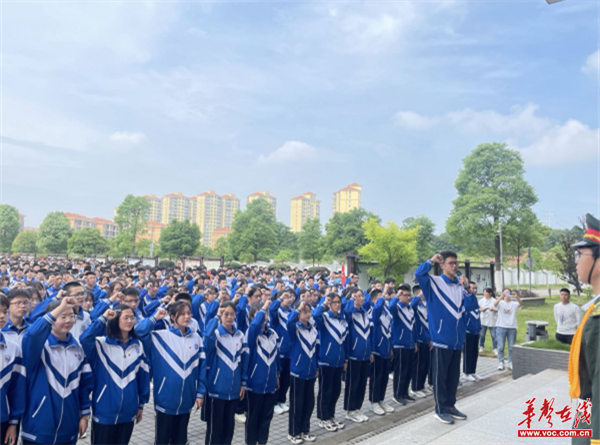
point(110, 314)
point(160, 314)
point(437, 258)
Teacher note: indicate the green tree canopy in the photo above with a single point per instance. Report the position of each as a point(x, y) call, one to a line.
point(254, 231)
point(132, 217)
point(491, 190)
point(9, 226)
point(345, 232)
point(180, 238)
point(54, 233)
point(394, 250)
point(426, 236)
point(442, 243)
point(25, 242)
point(310, 240)
point(286, 239)
point(87, 241)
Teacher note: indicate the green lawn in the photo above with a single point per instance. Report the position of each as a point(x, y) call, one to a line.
point(552, 343)
point(544, 313)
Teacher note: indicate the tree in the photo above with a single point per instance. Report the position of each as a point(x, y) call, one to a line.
point(142, 247)
point(551, 261)
point(25, 242)
point(537, 256)
point(442, 242)
point(565, 255)
point(310, 240)
point(254, 231)
point(551, 240)
point(286, 239)
point(345, 232)
point(132, 217)
point(491, 190)
point(121, 245)
point(426, 236)
point(394, 250)
point(87, 241)
point(54, 233)
point(9, 226)
point(180, 238)
point(286, 255)
point(222, 249)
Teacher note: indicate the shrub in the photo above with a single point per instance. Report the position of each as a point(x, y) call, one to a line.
point(279, 266)
point(524, 293)
point(233, 265)
point(166, 263)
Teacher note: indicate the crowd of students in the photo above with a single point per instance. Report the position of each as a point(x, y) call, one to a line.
point(85, 339)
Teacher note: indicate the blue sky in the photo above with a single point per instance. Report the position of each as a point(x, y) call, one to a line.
point(105, 99)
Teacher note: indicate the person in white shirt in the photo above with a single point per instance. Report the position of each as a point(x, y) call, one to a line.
point(506, 325)
point(489, 314)
point(567, 316)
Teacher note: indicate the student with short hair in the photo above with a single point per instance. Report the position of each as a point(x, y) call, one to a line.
point(12, 384)
point(506, 325)
point(17, 323)
point(568, 316)
point(422, 360)
point(121, 375)
point(279, 312)
point(470, 351)
point(55, 413)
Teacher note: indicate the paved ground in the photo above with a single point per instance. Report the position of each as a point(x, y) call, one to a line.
point(494, 416)
point(143, 433)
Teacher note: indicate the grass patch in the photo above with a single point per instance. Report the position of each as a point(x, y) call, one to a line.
point(552, 343)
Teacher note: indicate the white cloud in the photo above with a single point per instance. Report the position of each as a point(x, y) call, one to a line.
point(131, 137)
point(592, 64)
point(290, 151)
point(540, 140)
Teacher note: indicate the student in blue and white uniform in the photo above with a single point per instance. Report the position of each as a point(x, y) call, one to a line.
point(447, 300)
point(227, 362)
point(279, 313)
point(19, 301)
point(304, 344)
point(12, 385)
point(470, 348)
point(55, 413)
point(263, 373)
point(403, 338)
point(121, 378)
point(422, 360)
point(205, 307)
point(333, 329)
point(381, 346)
point(358, 351)
point(178, 369)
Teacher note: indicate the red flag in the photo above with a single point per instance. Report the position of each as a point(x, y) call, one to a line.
point(343, 275)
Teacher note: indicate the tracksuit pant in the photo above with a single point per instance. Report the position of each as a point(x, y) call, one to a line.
point(356, 384)
point(470, 353)
point(330, 388)
point(220, 422)
point(403, 371)
point(421, 366)
point(379, 372)
point(171, 429)
point(302, 404)
point(445, 365)
point(260, 413)
point(284, 379)
point(119, 434)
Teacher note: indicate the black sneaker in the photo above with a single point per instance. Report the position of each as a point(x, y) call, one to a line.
point(444, 418)
point(409, 399)
point(399, 401)
point(456, 414)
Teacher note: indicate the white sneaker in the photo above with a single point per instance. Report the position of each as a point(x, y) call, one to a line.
point(377, 409)
point(509, 366)
point(387, 407)
point(477, 377)
point(495, 351)
point(284, 407)
point(470, 378)
point(363, 417)
point(240, 418)
point(500, 366)
point(463, 378)
point(327, 425)
point(428, 391)
point(278, 410)
point(480, 350)
point(295, 439)
point(391, 375)
point(339, 425)
point(354, 416)
point(309, 437)
point(419, 394)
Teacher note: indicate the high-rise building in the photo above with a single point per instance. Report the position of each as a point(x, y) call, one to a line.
point(155, 212)
point(303, 207)
point(108, 229)
point(208, 214)
point(175, 206)
point(220, 232)
point(231, 204)
point(347, 198)
point(266, 196)
point(154, 231)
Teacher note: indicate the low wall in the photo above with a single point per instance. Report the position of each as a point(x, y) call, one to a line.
point(535, 301)
point(533, 360)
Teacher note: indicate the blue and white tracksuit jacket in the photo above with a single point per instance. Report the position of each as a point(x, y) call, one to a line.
point(14, 333)
point(278, 316)
point(263, 363)
point(304, 344)
point(421, 321)
point(403, 328)
point(121, 375)
point(12, 381)
point(202, 311)
point(473, 322)
point(333, 330)
point(178, 366)
point(358, 342)
point(381, 331)
point(59, 383)
point(446, 304)
point(242, 316)
point(226, 360)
